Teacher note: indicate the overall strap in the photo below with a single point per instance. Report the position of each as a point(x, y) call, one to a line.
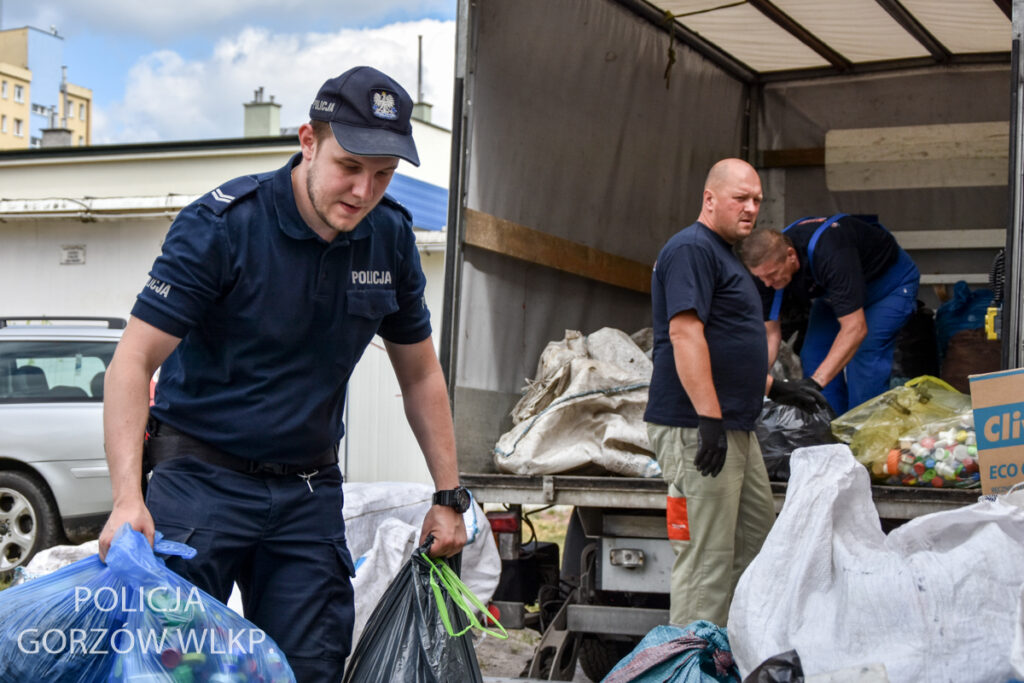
point(773, 314)
point(814, 239)
point(776, 304)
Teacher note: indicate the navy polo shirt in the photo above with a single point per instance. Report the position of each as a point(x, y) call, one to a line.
point(696, 270)
point(272, 318)
point(849, 254)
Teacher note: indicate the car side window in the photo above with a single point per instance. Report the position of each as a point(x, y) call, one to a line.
point(53, 371)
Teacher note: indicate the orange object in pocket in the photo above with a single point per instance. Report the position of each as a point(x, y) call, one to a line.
point(675, 516)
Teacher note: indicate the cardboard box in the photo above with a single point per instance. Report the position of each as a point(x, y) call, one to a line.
point(998, 402)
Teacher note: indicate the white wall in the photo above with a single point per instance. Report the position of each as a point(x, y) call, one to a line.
point(434, 147)
point(164, 170)
point(141, 173)
point(117, 259)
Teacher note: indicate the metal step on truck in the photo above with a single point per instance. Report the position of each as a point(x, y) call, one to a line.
point(582, 134)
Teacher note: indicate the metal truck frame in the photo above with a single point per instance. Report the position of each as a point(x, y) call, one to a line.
point(582, 132)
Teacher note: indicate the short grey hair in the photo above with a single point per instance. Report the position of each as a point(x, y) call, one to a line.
point(761, 246)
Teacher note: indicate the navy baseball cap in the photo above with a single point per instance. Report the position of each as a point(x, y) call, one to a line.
point(369, 114)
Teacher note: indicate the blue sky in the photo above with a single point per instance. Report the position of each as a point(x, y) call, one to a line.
point(181, 70)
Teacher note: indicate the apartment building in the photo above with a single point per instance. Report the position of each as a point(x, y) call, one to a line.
point(38, 105)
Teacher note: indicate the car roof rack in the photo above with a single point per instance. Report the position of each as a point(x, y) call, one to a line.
point(112, 323)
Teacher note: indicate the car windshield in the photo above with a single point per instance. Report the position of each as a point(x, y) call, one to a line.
point(53, 371)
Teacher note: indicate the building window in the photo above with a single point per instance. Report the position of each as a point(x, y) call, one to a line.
point(19, 93)
point(81, 141)
point(3, 123)
point(3, 90)
point(19, 128)
point(81, 112)
point(39, 109)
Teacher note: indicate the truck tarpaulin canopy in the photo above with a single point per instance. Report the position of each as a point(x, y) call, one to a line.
point(762, 37)
point(586, 130)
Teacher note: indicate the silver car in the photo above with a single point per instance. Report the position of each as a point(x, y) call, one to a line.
point(54, 483)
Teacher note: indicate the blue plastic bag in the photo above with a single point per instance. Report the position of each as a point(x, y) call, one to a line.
point(131, 619)
point(696, 653)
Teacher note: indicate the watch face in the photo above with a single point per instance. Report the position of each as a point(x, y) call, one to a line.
point(458, 498)
point(462, 499)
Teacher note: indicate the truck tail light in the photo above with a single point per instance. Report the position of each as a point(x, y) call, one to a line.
point(505, 526)
point(504, 522)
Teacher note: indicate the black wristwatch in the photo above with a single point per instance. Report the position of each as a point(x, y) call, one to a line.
point(458, 498)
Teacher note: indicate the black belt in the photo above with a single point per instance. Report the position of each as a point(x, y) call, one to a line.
point(167, 443)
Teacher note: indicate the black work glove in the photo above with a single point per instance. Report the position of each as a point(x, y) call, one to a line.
point(804, 394)
point(711, 446)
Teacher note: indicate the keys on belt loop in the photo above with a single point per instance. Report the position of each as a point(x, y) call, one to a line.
point(306, 476)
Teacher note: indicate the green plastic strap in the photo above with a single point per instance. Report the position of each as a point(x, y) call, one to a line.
point(443, 575)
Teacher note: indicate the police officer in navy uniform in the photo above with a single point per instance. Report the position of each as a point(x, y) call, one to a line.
point(267, 291)
point(861, 288)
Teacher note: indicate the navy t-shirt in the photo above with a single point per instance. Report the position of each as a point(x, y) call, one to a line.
point(696, 270)
point(849, 254)
point(273, 318)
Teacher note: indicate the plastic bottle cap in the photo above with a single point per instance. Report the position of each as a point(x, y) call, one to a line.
point(170, 658)
point(893, 463)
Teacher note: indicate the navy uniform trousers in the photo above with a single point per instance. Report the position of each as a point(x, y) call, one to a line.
point(282, 543)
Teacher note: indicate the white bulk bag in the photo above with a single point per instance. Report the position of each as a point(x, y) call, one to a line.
point(583, 412)
point(935, 600)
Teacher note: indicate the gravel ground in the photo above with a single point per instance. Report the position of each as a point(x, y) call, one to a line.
point(510, 658)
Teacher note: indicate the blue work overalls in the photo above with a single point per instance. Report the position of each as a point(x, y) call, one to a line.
point(889, 301)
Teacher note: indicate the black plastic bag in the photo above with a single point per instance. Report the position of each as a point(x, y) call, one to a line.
point(406, 640)
point(781, 428)
point(916, 352)
point(782, 668)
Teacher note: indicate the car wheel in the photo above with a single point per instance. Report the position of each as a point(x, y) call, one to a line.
point(28, 519)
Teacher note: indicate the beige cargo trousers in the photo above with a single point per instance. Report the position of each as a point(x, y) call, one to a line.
point(716, 525)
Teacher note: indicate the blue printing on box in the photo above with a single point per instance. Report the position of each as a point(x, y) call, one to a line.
point(999, 426)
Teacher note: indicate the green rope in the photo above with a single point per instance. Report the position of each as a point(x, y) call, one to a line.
point(443, 575)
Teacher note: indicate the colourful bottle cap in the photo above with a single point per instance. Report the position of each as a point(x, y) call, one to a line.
point(892, 463)
point(193, 658)
point(170, 658)
point(183, 674)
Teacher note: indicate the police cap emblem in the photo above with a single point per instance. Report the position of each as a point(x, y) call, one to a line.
point(384, 105)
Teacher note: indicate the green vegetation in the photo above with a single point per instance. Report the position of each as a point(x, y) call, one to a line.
point(549, 524)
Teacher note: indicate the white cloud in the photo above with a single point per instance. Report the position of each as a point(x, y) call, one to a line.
point(166, 22)
point(168, 97)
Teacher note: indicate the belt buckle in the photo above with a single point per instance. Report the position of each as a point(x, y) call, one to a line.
point(272, 468)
